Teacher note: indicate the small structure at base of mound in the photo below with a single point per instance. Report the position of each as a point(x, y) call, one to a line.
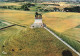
point(38, 21)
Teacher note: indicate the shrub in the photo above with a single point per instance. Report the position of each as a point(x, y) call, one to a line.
point(11, 7)
point(3, 7)
point(46, 10)
point(56, 9)
point(25, 7)
point(29, 4)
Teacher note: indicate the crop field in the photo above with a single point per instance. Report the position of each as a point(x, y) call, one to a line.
point(17, 17)
point(30, 42)
point(66, 23)
point(9, 4)
point(62, 21)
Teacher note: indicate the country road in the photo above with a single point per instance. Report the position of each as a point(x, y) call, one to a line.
point(62, 41)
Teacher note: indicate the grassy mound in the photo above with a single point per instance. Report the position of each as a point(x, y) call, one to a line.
point(18, 41)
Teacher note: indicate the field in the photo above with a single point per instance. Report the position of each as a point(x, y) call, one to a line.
point(17, 17)
point(9, 4)
point(20, 41)
point(66, 24)
point(26, 41)
point(30, 42)
point(62, 21)
point(4, 24)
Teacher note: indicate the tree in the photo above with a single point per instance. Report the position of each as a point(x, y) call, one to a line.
point(25, 7)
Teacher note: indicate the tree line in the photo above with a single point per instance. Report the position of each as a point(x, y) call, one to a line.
point(24, 7)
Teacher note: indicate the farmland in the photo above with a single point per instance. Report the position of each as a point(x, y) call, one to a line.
point(20, 41)
point(25, 35)
point(66, 24)
point(62, 21)
point(9, 4)
point(19, 17)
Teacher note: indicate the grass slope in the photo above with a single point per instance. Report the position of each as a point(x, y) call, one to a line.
point(30, 42)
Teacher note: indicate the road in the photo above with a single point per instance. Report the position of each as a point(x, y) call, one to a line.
point(62, 41)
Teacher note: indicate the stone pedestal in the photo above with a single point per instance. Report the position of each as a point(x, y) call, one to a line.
point(38, 22)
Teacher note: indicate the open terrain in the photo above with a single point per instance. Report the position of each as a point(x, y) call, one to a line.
point(62, 21)
point(9, 4)
point(65, 23)
point(30, 42)
point(17, 17)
